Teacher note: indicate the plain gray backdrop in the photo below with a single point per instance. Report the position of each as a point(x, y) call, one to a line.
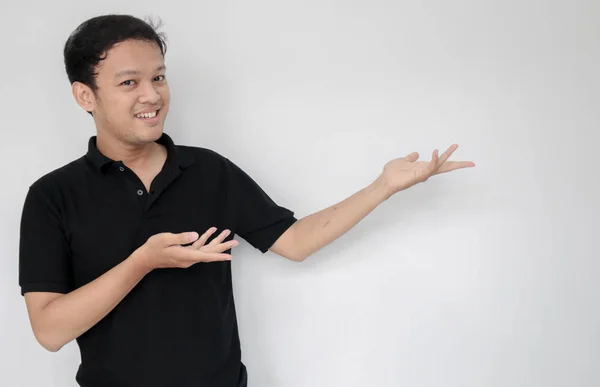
point(485, 277)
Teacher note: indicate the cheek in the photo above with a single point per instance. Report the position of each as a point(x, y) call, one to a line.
point(166, 97)
point(123, 108)
point(118, 107)
point(166, 100)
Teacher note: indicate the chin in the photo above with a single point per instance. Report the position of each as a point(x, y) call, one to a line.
point(154, 135)
point(146, 136)
point(149, 133)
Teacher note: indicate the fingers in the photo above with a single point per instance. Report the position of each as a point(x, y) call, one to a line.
point(185, 238)
point(204, 237)
point(219, 248)
point(453, 165)
point(213, 257)
point(220, 238)
point(215, 246)
point(443, 165)
point(191, 256)
point(433, 164)
point(447, 154)
point(216, 252)
point(202, 240)
point(179, 239)
point(412, 157)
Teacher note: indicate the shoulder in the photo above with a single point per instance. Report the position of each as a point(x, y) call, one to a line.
point(56, 182)
point(215, 166)
point(205, 157)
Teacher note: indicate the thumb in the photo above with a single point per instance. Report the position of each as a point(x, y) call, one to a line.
point(412, 157)
point(185, 238)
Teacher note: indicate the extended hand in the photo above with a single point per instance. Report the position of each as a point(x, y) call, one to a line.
point(167, 250)
point(402, 173)
point(217, 244)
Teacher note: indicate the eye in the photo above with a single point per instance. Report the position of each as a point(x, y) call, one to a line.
point(127, 83)
point(159, 78)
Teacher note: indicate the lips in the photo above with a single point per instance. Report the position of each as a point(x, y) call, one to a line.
point(148, 114)
point(151, 117)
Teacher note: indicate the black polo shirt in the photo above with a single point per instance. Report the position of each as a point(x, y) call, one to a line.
point(177, 327)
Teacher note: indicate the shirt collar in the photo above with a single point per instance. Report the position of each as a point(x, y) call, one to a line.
point(174, 154)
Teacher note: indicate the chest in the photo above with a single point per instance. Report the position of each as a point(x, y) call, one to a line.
point(108, 224)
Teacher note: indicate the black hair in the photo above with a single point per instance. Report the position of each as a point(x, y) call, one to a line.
point(89, 43)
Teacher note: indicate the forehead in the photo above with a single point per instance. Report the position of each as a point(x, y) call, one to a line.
point(131, 55)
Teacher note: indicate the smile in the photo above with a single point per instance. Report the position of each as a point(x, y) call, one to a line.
point(147, 115)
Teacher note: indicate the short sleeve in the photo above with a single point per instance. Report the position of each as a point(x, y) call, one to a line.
point(44, 254)
point(258, 219)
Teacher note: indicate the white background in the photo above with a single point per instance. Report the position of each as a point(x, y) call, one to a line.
point(482, 277)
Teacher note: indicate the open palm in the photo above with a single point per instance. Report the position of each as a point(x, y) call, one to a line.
point(404, 172)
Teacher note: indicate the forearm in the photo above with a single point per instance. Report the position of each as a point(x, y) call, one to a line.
point(70, 315)
point(315, 231)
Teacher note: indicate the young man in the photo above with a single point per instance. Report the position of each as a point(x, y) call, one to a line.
point(127, 249)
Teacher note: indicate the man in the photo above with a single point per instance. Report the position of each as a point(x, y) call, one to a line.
point(127, 249)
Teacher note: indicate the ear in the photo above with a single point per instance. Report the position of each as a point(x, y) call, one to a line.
point(84, 96)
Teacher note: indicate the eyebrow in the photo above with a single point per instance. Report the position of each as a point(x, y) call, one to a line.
point(136, 72)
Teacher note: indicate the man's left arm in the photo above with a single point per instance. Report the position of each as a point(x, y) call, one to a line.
point(315, 231)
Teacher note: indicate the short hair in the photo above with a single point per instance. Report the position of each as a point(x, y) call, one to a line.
point(91, 40)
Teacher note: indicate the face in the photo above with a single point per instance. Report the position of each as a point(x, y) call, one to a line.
point(132, 99)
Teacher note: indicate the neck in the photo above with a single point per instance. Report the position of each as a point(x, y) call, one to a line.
point(136, 156)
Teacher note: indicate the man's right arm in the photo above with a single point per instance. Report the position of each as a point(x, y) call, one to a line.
point(58, 318)
point(59, 312)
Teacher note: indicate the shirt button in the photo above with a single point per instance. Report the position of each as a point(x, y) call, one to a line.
point(140, 192)
point(121, 169)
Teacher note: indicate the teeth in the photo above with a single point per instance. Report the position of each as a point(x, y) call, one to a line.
point(146, 115)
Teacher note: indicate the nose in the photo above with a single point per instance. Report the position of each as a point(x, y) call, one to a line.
point(148, 94)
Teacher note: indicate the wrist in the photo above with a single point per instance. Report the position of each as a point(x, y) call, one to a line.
point(381, 188)
point(141, 260)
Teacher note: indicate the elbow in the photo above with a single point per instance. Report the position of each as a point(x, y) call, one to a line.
point(46, 330)
point(302, 254)
point(48, 342)
point(50, 346)
point(298, 257)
